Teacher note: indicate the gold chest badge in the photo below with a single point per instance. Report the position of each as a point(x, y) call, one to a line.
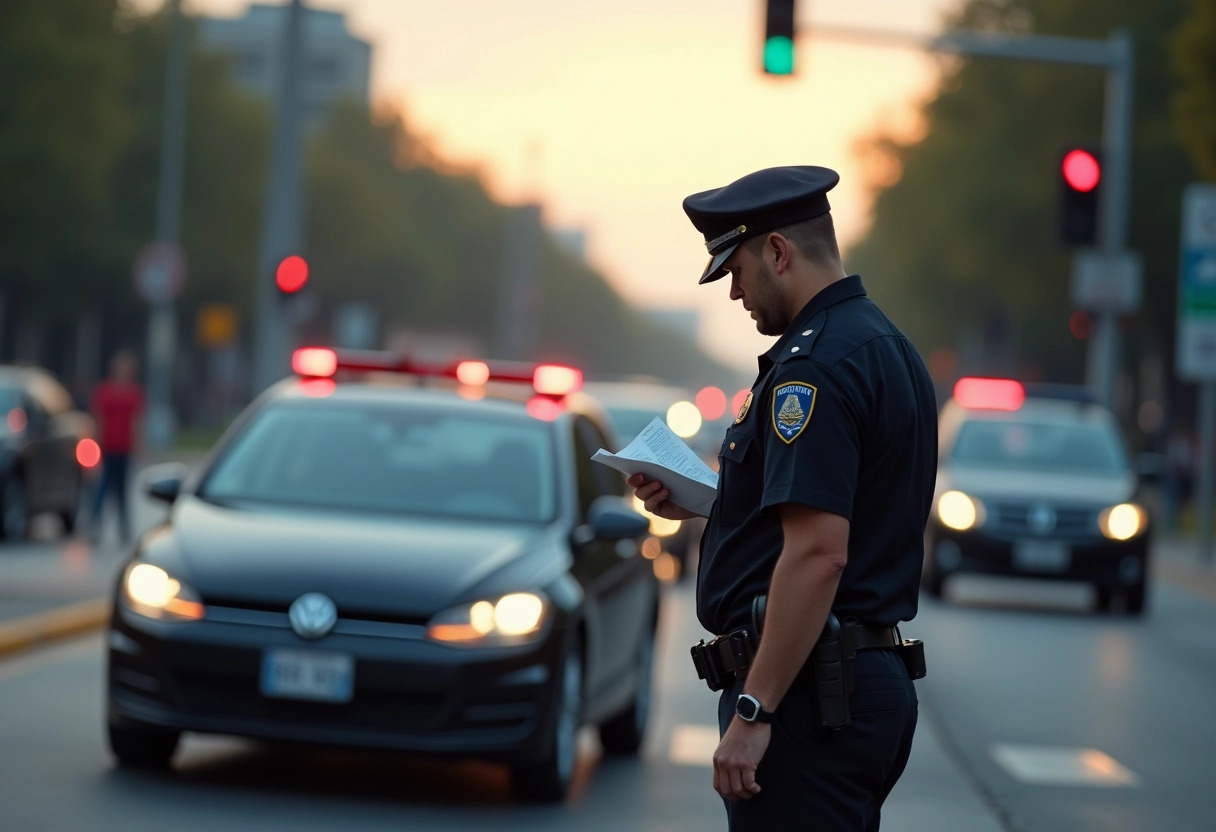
point(747, 403)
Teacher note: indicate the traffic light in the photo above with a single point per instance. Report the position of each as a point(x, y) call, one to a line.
point(291, 275)
point(779, 37)
point(1080, 190)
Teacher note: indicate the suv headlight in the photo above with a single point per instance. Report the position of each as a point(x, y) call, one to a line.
point(1123, 522)
point(153, 592)
point(959, 512)
point(512, 619)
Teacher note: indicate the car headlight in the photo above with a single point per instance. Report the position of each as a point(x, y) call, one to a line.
point(153, 592)
point(659, 526)
point(959, 512)
point(512, 619)
point(1122, 522)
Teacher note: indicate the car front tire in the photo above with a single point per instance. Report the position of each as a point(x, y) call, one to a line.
point(625, 732)
point(548, 780)
point(136, 745)
point(14, 509)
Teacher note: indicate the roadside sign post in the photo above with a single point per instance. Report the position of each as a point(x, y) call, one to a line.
point(160, 273)
point(1195, 358)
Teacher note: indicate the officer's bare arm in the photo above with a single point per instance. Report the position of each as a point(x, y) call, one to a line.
point(799, 598)
point(654, 497)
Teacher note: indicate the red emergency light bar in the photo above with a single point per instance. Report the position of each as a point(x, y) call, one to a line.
point(989, 393)
point(546, 379)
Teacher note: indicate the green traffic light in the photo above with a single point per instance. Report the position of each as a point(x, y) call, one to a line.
point(779, 56)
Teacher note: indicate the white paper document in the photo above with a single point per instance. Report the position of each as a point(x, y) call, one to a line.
point(661, 455)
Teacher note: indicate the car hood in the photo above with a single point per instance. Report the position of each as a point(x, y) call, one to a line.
point(401, 567)
point(989, 483)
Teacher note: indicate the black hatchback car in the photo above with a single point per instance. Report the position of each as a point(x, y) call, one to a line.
point(46, 445)
point(426, 567)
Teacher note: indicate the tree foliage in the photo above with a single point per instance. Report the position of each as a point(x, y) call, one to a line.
point(964, 247)
point(81, 97)
point(1194, 61)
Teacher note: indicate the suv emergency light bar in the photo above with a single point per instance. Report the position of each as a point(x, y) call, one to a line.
point(546, 379)
point(989, 393)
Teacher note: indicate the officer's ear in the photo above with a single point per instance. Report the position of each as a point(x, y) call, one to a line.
point(778, 252)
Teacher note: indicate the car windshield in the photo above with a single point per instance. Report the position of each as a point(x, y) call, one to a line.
point(1040, 446)
point(390, 459)
point(629, 421)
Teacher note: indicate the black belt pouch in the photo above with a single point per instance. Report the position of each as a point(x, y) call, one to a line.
point(832, 669)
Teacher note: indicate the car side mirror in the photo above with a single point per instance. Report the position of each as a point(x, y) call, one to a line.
point(164, 482)
point(612, 518)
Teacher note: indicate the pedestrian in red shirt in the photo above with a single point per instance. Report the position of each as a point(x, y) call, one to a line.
point(117, 407)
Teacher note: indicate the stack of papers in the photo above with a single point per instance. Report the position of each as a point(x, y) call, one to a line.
point(660, 455)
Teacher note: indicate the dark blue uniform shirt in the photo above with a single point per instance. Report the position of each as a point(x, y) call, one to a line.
point(842, 418)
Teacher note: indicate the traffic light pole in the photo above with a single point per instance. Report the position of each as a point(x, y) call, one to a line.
point(159, 424)
point(1116, 56)
point(281, 216)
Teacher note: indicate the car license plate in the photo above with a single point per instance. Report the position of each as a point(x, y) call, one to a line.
point(1041, 556)
point(308, 674)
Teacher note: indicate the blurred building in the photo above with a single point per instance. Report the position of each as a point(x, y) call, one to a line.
point(337, 65)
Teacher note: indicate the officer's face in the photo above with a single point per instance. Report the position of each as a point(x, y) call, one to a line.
point(753, 282)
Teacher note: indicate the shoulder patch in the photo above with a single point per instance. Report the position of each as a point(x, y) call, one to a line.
point(793, 403)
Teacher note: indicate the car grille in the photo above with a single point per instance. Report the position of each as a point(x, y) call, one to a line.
point(1017, 518)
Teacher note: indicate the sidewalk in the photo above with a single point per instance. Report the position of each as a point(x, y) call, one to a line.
point(1177, 560)
point(52, 585)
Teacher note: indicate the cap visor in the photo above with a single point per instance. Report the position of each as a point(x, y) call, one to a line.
point(714, 270)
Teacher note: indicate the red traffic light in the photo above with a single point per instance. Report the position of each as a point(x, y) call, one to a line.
point(1081, 170)
point(292, 274)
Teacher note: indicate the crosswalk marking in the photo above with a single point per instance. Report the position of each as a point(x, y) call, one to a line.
point(1051, 766)
point(693, 745)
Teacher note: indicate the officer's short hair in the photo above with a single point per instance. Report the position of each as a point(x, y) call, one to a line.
point(815, 239)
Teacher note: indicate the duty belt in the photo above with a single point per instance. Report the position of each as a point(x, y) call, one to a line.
point(727, 657)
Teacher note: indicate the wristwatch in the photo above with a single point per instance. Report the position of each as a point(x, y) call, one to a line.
point(749, 709)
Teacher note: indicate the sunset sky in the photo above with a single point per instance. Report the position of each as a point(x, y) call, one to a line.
point(611, 111)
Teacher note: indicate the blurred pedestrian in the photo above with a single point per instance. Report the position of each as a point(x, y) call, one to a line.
point(813, 550)
point(117, 407)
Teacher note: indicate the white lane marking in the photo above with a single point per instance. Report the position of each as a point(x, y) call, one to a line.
point(693, 745)
point(1051, 766)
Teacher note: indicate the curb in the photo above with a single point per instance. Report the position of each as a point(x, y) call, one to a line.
point(24, 633)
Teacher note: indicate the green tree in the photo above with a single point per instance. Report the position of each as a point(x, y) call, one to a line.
point(62, 125)
point(1194, 61)
point(964, 245)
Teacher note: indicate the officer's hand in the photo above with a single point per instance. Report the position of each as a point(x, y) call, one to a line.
point(654, 496)
point(738, 755)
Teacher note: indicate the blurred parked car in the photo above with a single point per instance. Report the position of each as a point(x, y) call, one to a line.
point(1034, 481)
point(399, 563)
point(45, 442)
point(673, 544)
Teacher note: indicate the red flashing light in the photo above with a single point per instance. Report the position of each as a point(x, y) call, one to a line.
point(989, 393)
point(543, 408)
point(292, 274)
point(473, 373)
point(711, 401)
point(556, 380)
point(17, 420)
point(88, 453)
point(314, 362)
point(1081, 170)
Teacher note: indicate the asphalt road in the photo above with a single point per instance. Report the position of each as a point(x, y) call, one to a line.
point(1036, 717)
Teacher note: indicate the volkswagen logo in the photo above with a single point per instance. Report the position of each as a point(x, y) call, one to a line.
point(1042, 518)
point(312, 615)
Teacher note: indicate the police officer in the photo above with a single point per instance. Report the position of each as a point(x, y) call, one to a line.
point(826, 479)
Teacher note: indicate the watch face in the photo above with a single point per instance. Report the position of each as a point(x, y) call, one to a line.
point(747, 708)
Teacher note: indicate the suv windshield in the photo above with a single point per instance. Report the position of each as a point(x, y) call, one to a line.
point(1039, 446)
point(388, 459)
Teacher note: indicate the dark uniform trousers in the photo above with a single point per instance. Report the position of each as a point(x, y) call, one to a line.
point(830, 781)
